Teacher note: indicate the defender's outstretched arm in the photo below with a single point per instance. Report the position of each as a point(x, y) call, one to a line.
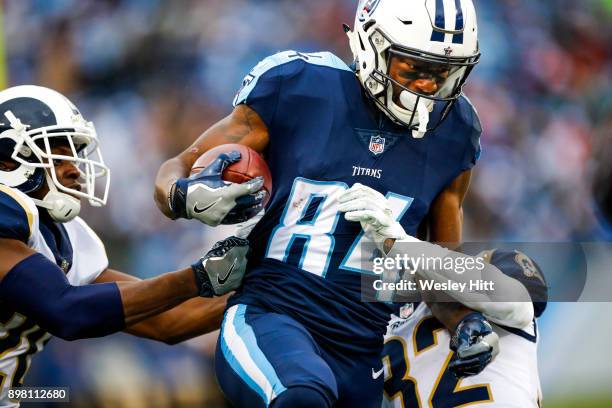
point(33, 285)
point(36, 287)
point(190, 319)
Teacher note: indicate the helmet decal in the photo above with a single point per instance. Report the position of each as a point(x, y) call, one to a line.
point(31, 112)
point(367, 9)
point(439, 27)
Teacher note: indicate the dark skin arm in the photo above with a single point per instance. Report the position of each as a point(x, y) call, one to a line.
point(140, 299)
point(449, 314)
point(190, 319)
point(446, 212)
point(445, 221)
point(243, 126)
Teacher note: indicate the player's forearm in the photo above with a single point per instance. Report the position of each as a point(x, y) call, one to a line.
point(443, 307)
point(445, 227)
point(146, 298)
point(167, 175)
point(446, 212)
point(188, 320)
point(38, 288)
point(194, 318)
point(449, 314)
point(507, 302)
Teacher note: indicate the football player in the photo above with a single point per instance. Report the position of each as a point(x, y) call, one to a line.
point(418, 365)
point(297, 334)
point(419, 369)
point(54, 274)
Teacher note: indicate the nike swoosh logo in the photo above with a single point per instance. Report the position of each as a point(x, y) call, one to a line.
point(376, 374)
point(227, 275)
point(198, 210)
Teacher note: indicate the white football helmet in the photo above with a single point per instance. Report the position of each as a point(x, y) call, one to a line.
point(32, 120)
point(439, 38)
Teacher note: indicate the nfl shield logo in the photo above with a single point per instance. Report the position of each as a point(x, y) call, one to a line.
point(377, 144)
point(406, 310)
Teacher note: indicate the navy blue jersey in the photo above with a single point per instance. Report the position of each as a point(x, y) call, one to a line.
point(73, 246)
point(325, 135)
point(16, 216)
point(20, 221)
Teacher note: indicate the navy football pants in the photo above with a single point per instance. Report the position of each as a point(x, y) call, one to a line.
point(263, 355)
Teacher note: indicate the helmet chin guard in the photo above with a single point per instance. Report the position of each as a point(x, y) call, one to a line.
point(60, 206)
point(440, 47)
point(423, 109)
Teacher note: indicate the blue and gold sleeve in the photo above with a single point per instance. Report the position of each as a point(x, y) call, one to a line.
point(524, 269)
point(16, 216)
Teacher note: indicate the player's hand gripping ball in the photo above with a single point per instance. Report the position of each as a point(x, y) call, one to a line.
point(475, 345)
point(229, 184)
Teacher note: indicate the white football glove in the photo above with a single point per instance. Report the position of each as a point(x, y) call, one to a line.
point(206, 197)
point(372, 210)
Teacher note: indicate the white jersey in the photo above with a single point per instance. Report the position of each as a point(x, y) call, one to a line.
point(20, 337)
point(416, 358)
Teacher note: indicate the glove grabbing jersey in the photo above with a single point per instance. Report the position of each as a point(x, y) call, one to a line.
point(474, 341)
point(475, 344)
point(221, 270)
point(372, 210)
point(206, 197)
point(369, 207)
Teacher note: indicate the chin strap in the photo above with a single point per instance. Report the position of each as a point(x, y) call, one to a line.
point(353, 41)
point(61, 207)
point(422, 112)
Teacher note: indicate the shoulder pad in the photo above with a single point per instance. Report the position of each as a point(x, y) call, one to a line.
point(468, 112)
point(18, 214)
point(275, 67)
point(469, 117)
point(524, 269)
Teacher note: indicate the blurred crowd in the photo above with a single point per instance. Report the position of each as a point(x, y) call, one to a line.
point(153, 74)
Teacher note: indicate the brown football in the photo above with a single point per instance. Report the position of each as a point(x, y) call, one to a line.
point(250, 165)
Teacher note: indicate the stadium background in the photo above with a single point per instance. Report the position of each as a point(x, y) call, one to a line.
point(153, 74)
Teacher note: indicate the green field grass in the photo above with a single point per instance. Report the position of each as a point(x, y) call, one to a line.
point(602, 402)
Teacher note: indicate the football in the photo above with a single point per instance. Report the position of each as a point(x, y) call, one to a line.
point(250, 165)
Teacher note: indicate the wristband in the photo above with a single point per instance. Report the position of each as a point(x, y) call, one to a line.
point(177, 198)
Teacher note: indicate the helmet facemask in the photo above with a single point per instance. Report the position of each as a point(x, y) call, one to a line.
point(438, 38)
point(397, 68)
point(81, 139)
